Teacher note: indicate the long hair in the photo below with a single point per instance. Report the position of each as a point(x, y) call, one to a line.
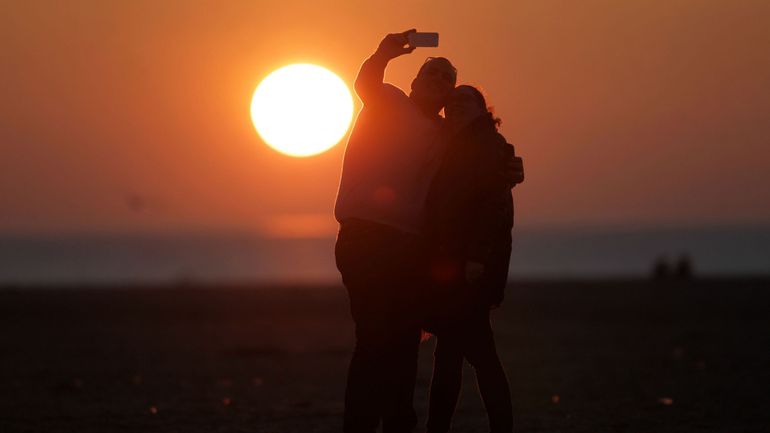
point(482, 101)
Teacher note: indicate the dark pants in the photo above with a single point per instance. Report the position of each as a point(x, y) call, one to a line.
point(470, 337)
point(383, 270)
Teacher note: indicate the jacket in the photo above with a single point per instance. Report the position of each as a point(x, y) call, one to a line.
point(470, 207)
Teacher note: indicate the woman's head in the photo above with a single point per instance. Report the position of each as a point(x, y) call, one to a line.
point(465, 104)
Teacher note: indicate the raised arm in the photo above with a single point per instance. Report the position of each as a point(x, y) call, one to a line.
point(369, 82)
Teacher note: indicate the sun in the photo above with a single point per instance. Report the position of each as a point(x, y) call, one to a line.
point(302, 109)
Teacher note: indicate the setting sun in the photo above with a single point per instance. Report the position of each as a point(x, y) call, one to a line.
point(301, 109)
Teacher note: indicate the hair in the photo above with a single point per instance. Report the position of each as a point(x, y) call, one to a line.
point(482, 101)
point(440, 60)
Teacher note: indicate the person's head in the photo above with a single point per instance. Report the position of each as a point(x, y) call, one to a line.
point(433, 83)
point(466, 103)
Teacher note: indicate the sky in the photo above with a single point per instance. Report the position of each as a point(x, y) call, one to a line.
point(134, 115)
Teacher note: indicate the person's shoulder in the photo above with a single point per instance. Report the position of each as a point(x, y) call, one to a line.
point(393, 90)
point(394, 94)
point(493, 140)
point(500, 143)
point(495, 151)
point(388, 98)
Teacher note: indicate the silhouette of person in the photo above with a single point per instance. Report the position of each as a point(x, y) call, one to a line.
point(661, 270)
point(683, 270)
point(470, 217)
point(391, 157)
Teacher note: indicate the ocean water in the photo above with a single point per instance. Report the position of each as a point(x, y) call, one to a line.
point(240, 258)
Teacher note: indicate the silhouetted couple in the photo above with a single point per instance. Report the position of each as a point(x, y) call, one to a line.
point(425, 213)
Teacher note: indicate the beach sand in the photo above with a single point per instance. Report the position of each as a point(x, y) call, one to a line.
point(605, 356)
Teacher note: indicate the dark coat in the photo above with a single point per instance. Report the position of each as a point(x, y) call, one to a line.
point(470, 210)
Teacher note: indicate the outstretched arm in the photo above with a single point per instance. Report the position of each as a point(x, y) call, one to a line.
point(369, 81)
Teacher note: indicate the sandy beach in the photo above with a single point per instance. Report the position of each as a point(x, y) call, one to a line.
point(605, 356)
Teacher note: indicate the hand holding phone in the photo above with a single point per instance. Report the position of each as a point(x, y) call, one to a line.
point(423, 39)
point(395, 44)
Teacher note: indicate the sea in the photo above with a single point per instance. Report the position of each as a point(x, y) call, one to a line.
point(54, 260)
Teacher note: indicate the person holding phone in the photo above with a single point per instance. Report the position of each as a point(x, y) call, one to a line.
point(470, 218)
point(390, 160)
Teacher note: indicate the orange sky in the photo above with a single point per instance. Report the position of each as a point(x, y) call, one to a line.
point(135, 116)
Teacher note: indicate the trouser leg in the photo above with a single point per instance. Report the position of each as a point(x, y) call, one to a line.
point(380, 269)
point(400, 370)
point(481, 353)
point(362, 407)
point(381, 380)
point(445, 384)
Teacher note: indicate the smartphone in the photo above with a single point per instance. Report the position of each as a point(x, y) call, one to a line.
point(423, 39)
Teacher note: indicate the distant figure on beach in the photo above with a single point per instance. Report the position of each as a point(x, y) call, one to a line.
point(683, 270)
point(662, 270)
point(470, 217)
point(391, 157)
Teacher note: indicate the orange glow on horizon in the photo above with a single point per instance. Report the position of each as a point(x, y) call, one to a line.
point(299, 226)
